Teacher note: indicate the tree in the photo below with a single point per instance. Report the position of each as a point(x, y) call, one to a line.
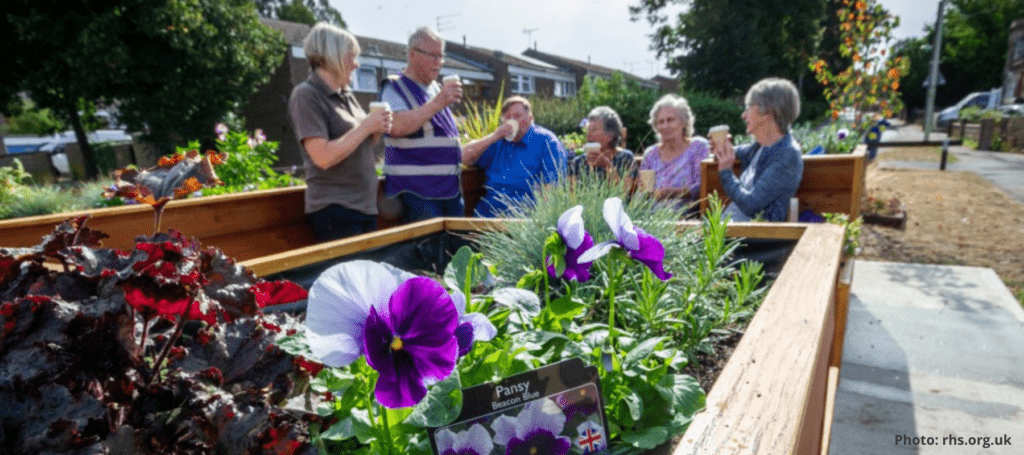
point(918, 52)
point(288, 10)
point(871, 79)
point(174, 66)
point(724, 46)
point(297, 12)
point(974, 40)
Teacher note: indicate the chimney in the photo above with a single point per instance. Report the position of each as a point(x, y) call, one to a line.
point(534, 45)
point(463, 40)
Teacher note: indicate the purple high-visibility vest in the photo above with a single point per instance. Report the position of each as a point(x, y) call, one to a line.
point(427, 162)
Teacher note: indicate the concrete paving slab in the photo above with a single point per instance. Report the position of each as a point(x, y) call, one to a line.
point(932, 352)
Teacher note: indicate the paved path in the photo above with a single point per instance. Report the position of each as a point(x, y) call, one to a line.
point(930, 352)
point(1004, 170)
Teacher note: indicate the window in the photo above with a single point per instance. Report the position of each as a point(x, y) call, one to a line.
point(365, 80)
point(521, 83)
point(565, 89)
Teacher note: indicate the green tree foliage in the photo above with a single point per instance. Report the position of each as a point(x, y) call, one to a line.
point(175, 66)
point(297, 10)
point(27, 118)
point(724, 46)
point(975, 36)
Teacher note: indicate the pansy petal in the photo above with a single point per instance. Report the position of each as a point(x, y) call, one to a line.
point(597, 252)
point(424, 317)
point(543, 414)
point(401, 387)
point(574, 269)
point(459, 299)
point(377, 339)
point(570, 226)
point(620, 224)
point(478, 440)
point(504, 429)
point(340, 299)
point(464, 336)
point(446, 441)
point(483, 329)
point(337, 349)
point(651, 253)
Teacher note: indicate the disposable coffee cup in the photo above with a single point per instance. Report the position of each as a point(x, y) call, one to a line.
point(376, 106)
point(591, 147)
point(718, 135)
point(451, 78)
point(647, 179)
point(515, 129)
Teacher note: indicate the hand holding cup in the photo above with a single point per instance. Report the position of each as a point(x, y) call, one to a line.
point(380, 116)
point(451, 88)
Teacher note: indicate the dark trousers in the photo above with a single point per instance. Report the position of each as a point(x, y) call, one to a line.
point(418, 209)
point(334, 222)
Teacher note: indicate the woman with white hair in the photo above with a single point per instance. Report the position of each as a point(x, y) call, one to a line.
point(338, 137)
point(771, 167)
point(604, 126)
point(676, 158)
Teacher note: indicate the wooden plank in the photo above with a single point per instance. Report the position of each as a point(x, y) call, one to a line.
point(830, 183)
point(843, 283)
point(321, 252)
point(767, 397)
point(830, 408)
point(918, 143)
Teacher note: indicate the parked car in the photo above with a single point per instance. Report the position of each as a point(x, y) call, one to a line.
point(984, 100)
point(57, 142)
point(1012, 110)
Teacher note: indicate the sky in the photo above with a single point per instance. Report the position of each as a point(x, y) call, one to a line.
point(597, 30)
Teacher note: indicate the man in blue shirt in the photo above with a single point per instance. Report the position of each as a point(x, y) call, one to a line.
point(515, 159)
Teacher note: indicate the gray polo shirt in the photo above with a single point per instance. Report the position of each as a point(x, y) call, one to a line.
point(316, 111)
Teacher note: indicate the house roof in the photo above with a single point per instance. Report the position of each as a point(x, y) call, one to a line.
point(590, 68)
point(373, 47)
point(294, 32)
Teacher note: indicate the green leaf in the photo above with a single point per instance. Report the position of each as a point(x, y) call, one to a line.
point(441, 406)
point(520, 299)
point(635, 404)
point(356, 425)
point(648, 438)
point(642, 351)
point(565, 307)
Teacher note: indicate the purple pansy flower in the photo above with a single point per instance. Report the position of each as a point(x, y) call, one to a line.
point(474, 441)
point(577, 241)
point(472, 326)
point(638, 244)
point(404, 324)
point(842, 133)
point(537, 429)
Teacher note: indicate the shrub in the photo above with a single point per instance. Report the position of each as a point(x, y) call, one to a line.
point(709, 110)
point(631, 101)
point(560, 115)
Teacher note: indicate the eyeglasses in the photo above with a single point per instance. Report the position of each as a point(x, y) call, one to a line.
point(438, 57)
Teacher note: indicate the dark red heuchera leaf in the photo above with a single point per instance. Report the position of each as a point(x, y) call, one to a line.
point(152, 299)
point(278, 292)
point(69, 233)
point(309, 366)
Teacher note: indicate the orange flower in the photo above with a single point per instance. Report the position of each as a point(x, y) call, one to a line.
point(896, 85)
point(893, 73)
point(165, 161)
point(860, 6)
point(190, 186)
point(856, 57)
point(192, 153)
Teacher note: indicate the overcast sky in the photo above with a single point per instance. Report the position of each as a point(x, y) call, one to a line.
point(598, 30)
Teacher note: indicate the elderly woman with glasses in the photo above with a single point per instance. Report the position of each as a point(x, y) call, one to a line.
point(337, 136)
point(605, 128)
point(771, 167)
point(676, 158)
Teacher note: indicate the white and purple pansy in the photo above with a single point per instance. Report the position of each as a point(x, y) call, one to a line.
point(474, 441)
point(639, 245)
point(472, 326)
point(842, 133)
point(404, 325)
point(537, 429)
point(577, 241)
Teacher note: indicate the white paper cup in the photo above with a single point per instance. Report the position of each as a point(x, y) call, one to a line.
point(591, 147)
point(647, 179)
point(451, 78)
point(379, 106)
point(718, 135)
point(515, 129)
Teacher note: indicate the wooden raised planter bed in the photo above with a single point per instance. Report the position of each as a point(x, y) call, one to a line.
point(830, 183)
point(774, 394)
point(243, 225)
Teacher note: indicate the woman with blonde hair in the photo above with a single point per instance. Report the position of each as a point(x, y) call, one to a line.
point(338, 137)
point(676, 158)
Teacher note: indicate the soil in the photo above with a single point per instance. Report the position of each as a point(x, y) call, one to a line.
point(953, 218)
